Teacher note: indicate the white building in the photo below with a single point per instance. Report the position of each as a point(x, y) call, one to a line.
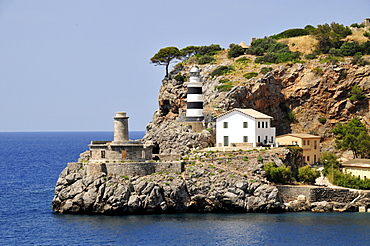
point(244, 127)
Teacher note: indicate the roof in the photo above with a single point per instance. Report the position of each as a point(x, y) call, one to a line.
point(299, 135)
point(243, 45)
point(249, 112)
point(364, 163)
point(194, 69)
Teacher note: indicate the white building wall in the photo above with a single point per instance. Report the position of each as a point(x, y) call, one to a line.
point(236, 131)
point(265, 132)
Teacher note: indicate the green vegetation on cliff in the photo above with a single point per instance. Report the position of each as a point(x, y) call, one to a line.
point(353, 136)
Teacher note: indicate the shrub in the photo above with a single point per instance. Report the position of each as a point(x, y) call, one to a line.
point(329, 160)
point(259, 158)
point(307, 174)
point(276, 174)
point(223, 81)
point(221, 71)
point(366, 48)
point(330, 36)
point(310, 56)
point(350, 48)
point(367, 34)
point(250, 75)
point(278, 48)
point(235, 51)
point(265, 70)
point(224, 87)
point(331, 59)
point(317, 71)
point(291, 116)
point(296, 32)
point(209, 50)
point(343, 74)
point(268, 58)
point(322, 120)
point(347, 180)
point(205, 59)
point(357, 25)
point(357, 93)
point(287, 56)
point(335, 52)
point(243, 60)
point(357, 59)
point(179, 77)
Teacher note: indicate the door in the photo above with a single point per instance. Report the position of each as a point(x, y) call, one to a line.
point(124, 154)
point(226, 140)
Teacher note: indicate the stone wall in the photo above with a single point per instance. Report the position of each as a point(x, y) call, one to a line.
point(316, 194)
point(290, 193)
point(128, 169)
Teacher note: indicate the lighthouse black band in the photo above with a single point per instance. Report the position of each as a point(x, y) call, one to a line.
point(194, 90)
point(195, 105)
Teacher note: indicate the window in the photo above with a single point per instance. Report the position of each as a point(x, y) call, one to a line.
point(259, 139)
point(263, 124)
point(308, 142)
point(226, 125)
point(245, 124)
point(308, 158)
point(314, 159)
point(304, 142)
point(272, 139)
point(259, 124)
point(315, 144)
point(267, 125)
point(102, 154)
point(245, 139)
point(226, 140)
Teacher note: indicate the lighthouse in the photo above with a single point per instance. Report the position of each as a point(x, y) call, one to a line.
point(194, 107)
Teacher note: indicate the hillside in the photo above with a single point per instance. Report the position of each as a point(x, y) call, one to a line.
point(303, 96)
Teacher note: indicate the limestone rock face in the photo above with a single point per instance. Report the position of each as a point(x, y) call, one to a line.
point(310, 91)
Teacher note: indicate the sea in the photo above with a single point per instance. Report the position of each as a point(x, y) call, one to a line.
point(30, 163)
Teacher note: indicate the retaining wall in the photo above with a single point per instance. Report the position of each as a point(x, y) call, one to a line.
point(317, 194)
point(129, 169)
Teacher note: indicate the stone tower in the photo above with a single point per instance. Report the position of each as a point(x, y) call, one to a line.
point(194, 107)
point(120, 128)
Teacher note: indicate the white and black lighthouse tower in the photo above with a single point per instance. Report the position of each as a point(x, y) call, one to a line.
point(194, 107)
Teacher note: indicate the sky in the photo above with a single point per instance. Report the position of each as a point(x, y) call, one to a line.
point(70, 65)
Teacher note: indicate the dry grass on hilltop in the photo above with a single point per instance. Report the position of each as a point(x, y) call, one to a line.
point(303, 44)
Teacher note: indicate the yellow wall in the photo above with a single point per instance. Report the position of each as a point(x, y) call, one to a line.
point(358, 171)
point(310, 153)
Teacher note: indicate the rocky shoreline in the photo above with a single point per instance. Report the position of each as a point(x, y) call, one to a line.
point(210, 182)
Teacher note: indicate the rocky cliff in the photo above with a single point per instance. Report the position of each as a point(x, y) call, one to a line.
point(296, 95)
point(211, 182)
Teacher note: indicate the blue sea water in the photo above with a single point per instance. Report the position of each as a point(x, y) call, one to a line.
point(30, 164)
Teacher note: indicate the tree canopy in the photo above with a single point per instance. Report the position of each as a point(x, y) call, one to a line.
point(329, 36)
point(165, 55)
point(353, 136)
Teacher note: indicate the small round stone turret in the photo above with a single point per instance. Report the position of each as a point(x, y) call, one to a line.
point(120, 127)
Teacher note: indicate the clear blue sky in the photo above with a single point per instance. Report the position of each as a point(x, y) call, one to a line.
point(69, 65)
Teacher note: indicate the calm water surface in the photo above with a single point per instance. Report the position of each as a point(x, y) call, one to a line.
point(29, 167)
